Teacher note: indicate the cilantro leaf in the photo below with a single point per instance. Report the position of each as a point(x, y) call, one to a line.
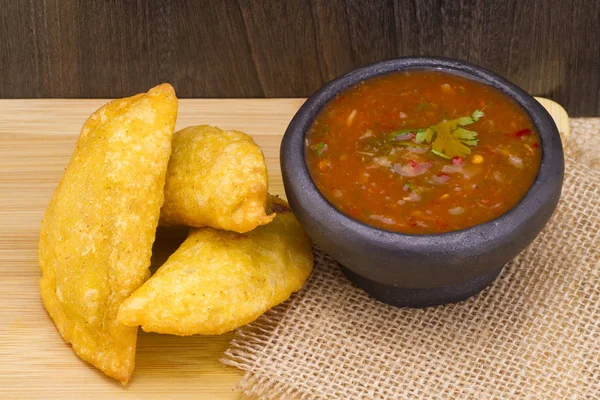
point(319, 148)
point(424, 135)
point(470, 119)
point(476, 115)
point(437, 153)
point(447, 142)
point(449, 139)
point(464, 134)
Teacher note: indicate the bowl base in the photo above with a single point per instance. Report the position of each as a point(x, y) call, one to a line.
point(420, 298)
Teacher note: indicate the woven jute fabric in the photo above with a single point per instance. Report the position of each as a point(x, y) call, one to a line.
point(533, 334)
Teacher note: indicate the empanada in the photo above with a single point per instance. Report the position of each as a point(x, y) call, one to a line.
point(97, 233)
point(218, 281)
point(215, 178)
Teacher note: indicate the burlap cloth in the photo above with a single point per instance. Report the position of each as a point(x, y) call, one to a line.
point(533, 334)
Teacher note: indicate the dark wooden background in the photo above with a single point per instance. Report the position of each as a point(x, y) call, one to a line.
point(252, 48)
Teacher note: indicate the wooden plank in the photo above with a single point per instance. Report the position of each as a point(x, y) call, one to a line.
point(560, 116)
point(257, 48)
point(36, 141)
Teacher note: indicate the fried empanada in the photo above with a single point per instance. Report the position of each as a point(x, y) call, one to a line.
point(97, 233)
point(215, 178)
point(218, 280)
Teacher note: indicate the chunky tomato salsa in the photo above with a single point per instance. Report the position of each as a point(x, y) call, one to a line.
point(423, 152)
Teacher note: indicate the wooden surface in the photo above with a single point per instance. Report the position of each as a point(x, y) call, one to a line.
point(258, 48)
point(36, 141)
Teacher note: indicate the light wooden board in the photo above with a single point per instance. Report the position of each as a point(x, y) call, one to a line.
point(36, 141)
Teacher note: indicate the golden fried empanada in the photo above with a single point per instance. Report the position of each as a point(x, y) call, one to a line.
point(215, 178)
point(218, 281)
point(97, 233)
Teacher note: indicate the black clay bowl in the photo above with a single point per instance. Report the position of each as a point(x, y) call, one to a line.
point(431, 269)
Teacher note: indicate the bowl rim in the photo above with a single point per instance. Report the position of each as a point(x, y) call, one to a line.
point(293, 155)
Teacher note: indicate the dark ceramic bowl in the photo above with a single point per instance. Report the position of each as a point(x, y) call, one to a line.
point(430, 269)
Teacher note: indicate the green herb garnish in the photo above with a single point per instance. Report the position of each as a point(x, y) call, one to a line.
point(411, 187)
point(470, 119)
point(437, 153)
point(448, 138)
point(319, 148)
point(424, 135)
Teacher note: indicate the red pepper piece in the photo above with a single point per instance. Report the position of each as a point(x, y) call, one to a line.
point(523, 132)
point(535, 145)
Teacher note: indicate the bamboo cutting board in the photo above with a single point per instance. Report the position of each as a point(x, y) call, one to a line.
point(36, 141)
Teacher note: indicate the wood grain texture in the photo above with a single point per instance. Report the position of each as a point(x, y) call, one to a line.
point(259, 48)
point(36, 141)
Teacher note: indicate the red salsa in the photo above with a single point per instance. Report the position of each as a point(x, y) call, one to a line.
point(423, 152)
